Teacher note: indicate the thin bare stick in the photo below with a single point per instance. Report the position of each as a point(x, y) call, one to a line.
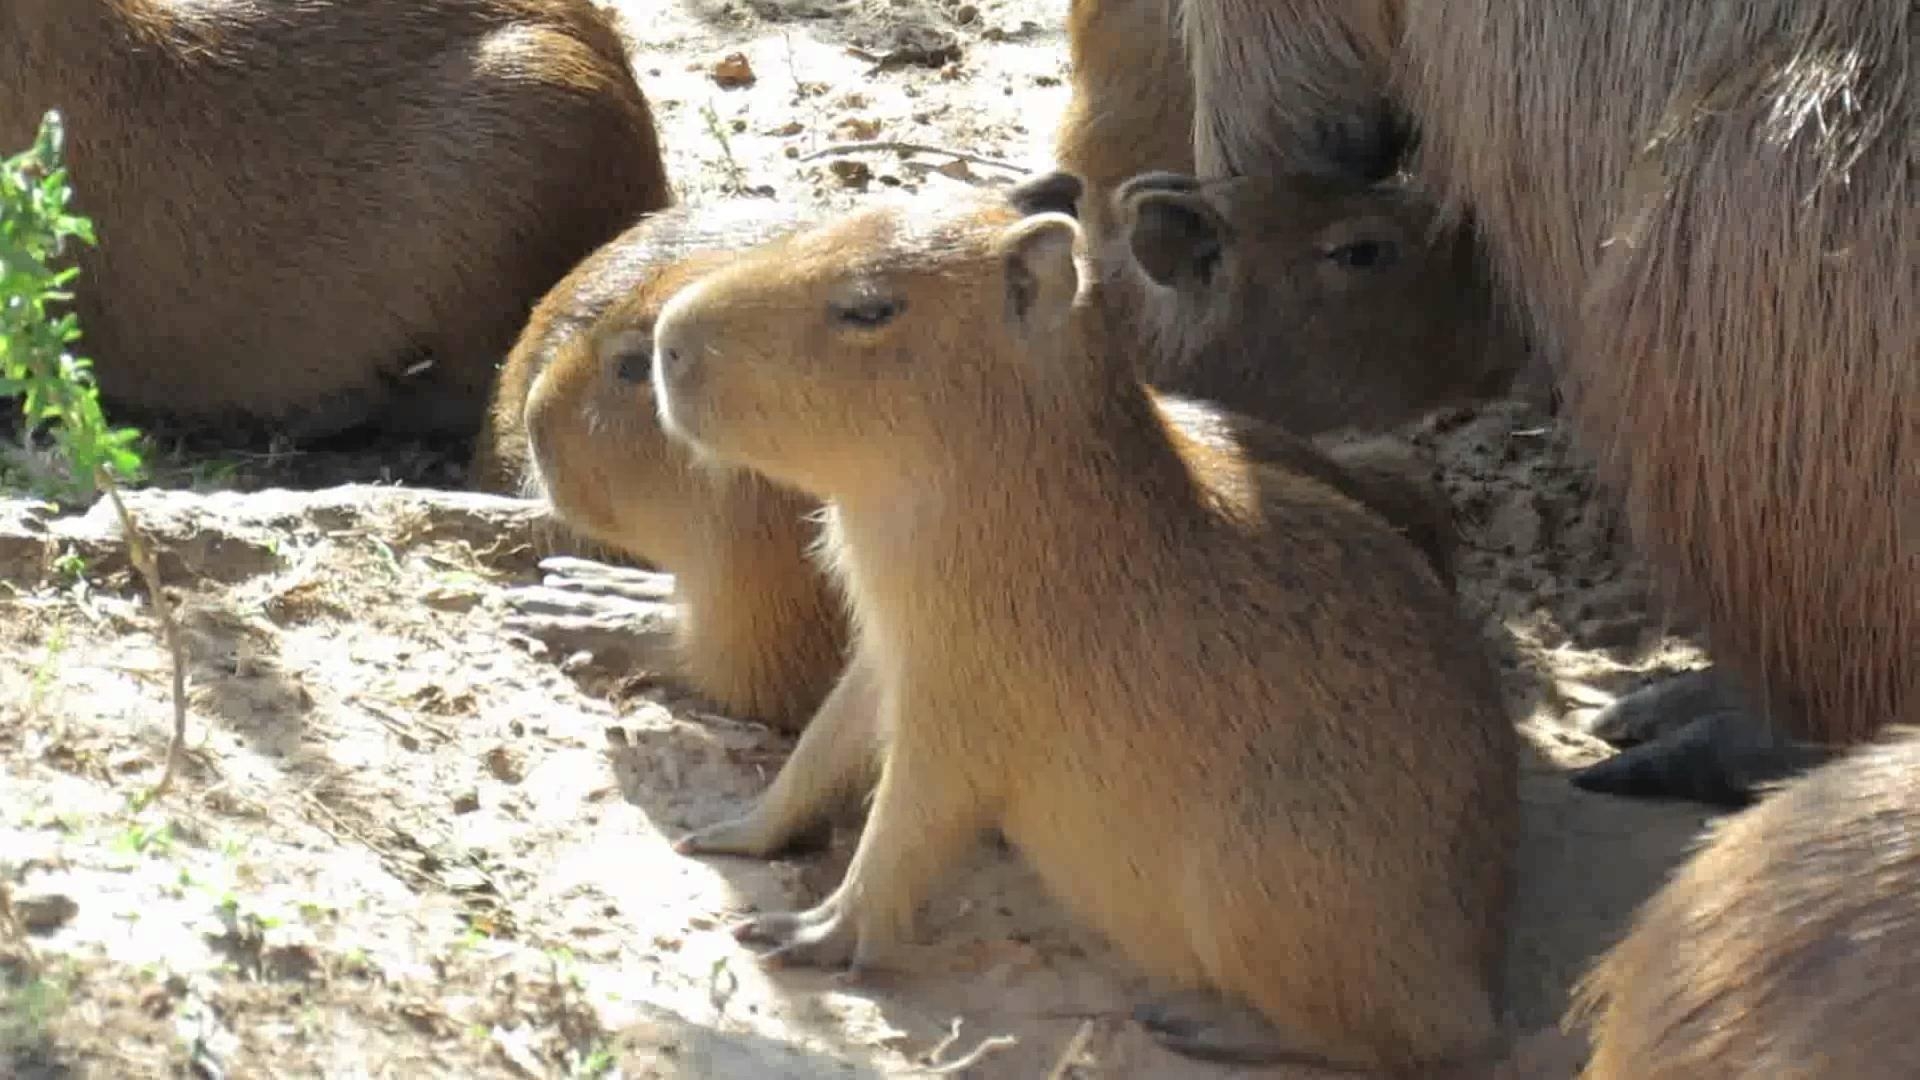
point(10, 928)
point(1075, 1047)
point(987, 1046)
point(141, 554)
point(842, 149)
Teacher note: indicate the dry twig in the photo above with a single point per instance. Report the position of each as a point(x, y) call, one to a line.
point(842, 149)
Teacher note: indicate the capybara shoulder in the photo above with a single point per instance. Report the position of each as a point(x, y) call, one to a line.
point(1788, 946)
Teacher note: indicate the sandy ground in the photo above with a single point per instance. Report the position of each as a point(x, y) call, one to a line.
point(410, 843)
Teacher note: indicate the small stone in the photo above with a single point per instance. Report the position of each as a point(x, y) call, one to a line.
point(43, 913)
point(506, 764)
point(853, 174)
point(858, 129)
point(733, 70)
point(452, 600)
point(466, 802)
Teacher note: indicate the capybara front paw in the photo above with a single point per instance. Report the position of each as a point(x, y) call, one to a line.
point(821, 937)
point(1202, 1025)
point(1723, 759)
point(624, 618)
point(750, 835)
point(1663, 707)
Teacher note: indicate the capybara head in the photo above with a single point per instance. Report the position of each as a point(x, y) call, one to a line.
point(577, 395)
point(853, 344)
point(1310, 302)
point(595, 448)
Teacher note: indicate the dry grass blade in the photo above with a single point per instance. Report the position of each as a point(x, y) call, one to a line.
point(140, 553)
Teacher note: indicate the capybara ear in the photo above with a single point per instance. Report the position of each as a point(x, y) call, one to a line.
point(1174, 234)
point(627, 355)
point(1042, 278)
point(1157, 180)
point(1056, 192)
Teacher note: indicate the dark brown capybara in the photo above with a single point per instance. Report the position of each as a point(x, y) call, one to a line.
point(329, 214)
point(1708, 209)
point(1311, 303)
point(1079, 625)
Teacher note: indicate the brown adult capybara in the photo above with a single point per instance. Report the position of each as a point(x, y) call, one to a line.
point(1231, 718)
point(1311, 303)
point(1708, 208)
point(759, 633)
point(1788, 947)
point(314, 216)
point(1131, 107)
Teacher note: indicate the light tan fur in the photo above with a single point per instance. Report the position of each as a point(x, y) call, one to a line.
point(1788, 948)
point(1708, 208)
point(300, 206)
point(1131, 110)
point(1231, 718)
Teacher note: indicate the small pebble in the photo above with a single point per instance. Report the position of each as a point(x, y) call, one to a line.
point(43, 913)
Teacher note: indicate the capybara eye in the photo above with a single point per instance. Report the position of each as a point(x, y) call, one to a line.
point(877, 311)
point(1365, 254)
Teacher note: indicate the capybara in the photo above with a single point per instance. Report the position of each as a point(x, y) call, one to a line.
point(1311, 303)
point(760, 634)
point(1131, 107)
point(1708, 210)
point(1789, 946)
point(1228, 714)
point(324, 215)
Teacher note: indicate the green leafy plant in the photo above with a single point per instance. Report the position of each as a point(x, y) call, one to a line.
point(55, 384)
point(37, 365)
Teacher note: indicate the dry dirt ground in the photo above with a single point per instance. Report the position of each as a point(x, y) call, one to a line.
point(409, 843)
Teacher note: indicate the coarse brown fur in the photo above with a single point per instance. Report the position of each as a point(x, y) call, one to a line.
point(300, 205)
point(1789, 947)
point(1229, 716)
point(1708, 210)
point(759, 633)
point(1306, 84)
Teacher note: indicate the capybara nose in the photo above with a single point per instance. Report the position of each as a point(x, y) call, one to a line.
point(678, 345)
point(635, 365)
point(628, 355)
